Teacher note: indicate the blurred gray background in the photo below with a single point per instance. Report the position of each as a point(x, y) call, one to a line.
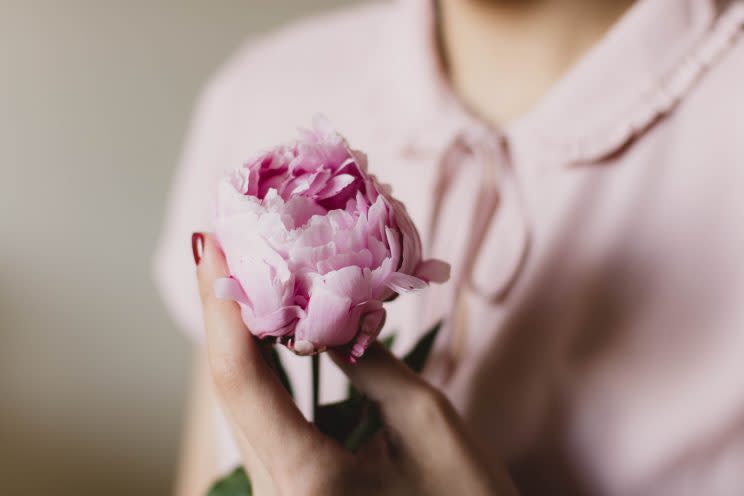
point(95, 97)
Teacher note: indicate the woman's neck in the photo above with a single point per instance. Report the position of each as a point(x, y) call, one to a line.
point(502, 56)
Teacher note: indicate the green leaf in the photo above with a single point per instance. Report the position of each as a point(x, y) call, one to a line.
point(388, 341)
point(338, 420)
point(416, 358)
point(234, 484)
point(370, 422)
point(279, 369)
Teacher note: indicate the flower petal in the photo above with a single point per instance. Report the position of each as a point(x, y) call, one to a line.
point(299, 209)
point(276, 323)
point(227, 288)
point(404, 283)
point(334, 185)
point(327, 319)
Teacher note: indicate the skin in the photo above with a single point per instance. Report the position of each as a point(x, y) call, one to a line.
point(533, 42)
point(503, 56)
point(424, 448)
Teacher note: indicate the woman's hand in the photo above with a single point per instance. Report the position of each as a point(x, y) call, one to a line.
point(422, 450)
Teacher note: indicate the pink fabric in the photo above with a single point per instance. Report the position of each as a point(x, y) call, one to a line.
point(595, 315)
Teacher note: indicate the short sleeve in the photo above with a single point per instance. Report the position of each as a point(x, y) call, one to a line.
point(190, 202)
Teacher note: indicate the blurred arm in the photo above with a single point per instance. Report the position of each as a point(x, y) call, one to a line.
point(197, 466)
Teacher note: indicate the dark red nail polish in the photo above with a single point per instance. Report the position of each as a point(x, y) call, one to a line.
point(197, 246)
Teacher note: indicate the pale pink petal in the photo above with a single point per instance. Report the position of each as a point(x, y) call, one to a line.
point(327, 319)
point(344, 241)
point(250, 186)
point(393, 239)
point(349, 281)
point(381, 275)
point(300, 209)
point(404, 283)
point(334, 185)
point(268, 287)
point(340, 220)
point(358, 204)
point(335, 262)
point(360, 158)
point(411, 243)
point(363, 258)
point(316, 232)
point(227, 288)
point(231, 202)
point(276, 323)
point(314, 244)
point(322, 127)
point(319, 183)
point(310, 256)
point(359, 234)
point(377, 217)
point(378, 250)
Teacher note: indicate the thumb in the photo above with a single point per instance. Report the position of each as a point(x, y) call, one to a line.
point(407, 402)
point(258, 405)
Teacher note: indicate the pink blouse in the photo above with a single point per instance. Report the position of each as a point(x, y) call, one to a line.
point(594, 337)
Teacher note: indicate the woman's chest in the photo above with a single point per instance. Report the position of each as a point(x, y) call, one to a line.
point(596, 307)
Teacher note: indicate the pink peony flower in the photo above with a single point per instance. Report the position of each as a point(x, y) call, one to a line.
point(315, 244)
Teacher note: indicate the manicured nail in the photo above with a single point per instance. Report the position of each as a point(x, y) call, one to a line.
point(197, 246)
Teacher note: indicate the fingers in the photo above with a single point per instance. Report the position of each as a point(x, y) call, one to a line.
point(380, 375)
point(252, 395)
point(408, 403)
point(425, 429)
point(261, 480)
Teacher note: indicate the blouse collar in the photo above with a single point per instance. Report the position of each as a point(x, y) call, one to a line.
point(639, 70)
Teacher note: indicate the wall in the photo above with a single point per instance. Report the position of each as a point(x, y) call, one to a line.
point(95, 97)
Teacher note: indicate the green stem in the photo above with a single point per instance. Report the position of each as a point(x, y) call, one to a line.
point(316, 385)
point(371, 423)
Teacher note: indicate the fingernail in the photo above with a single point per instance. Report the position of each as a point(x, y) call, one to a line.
point(197, 246)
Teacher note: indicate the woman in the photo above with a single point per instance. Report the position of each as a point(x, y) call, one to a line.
point(580, 164)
